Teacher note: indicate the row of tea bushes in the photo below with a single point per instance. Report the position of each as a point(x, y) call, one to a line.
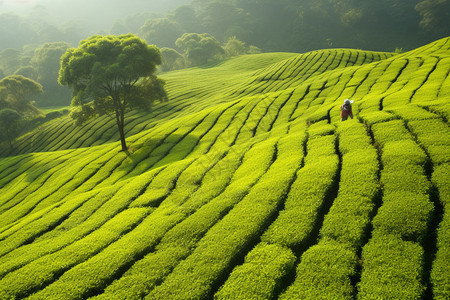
point(216, 196)
point(433, 134)
point(100, 269)
point(45, 269)
point(326, 270)
point(261, 275)
point(401, 222)
point(267, 266)
point(350, 215)
point(440, 273)
point(231, 237)
point(102, 206)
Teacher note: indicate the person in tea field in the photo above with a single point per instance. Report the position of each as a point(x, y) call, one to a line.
point(346, 110)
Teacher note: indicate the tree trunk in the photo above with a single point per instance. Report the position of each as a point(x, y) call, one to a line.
point(120, 120)
point(122, 138)
point(10, 140)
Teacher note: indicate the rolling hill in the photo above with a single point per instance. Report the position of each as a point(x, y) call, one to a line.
point(245, 185)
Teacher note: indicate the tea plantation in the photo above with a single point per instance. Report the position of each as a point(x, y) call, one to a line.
point(245, 185)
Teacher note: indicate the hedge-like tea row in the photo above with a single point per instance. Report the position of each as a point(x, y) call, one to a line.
point(326, 269)
point(307, 195)
point(392, 269)
point(261, 274)
point(434, 136)
point(99, 269)
point(37, 273)
point(440, 273)
point(224, 242)
point(263, 271)
point(349, 216)
point(324, 273)
point(106, 203)
point(401, 222)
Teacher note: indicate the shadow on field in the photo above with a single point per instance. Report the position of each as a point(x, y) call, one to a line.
point(155, 153)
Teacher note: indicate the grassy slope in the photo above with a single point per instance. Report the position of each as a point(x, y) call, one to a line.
point(244, 185)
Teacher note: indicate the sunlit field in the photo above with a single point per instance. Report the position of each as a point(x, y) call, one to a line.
point(245, 185)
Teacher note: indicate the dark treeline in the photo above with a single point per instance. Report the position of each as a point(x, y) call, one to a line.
point(301, 25)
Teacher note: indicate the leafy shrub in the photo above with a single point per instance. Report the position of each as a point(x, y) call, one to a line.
point(404, 214)
point(349, 216)
point(373, 117)
point(410, 178)
point(307, 195)
point(440, 277)
point(260, 275)
point(324, 272)
point(404, 152)
point(434, 136)
point(390, 131)
point(412, 112)
point(392, 269)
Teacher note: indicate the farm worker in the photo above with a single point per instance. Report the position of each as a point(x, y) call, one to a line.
point(346, 110)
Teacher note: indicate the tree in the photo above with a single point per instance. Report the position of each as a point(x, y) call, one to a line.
point(171, 60)
point(185, 15)
point(17, 92)
point(27, 71)
point(46, 62)
point(200, 48)
point(222, 19)
point(104, 73)
point(9, 125)
point(10, 60)
point(161, 32)
point(132, 23)
point(435, 15)
point(234, 47)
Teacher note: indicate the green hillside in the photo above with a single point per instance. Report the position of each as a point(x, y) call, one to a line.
point(245, 185)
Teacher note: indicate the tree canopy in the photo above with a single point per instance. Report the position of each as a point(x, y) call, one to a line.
point(161, 32)
point(200, 48)
point(17, 92)
point(104, 72)
point(9, 125)
point(46, 62)
point(171, 60)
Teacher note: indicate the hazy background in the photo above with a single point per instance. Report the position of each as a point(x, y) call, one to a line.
point(272, 25)
point(91, 14)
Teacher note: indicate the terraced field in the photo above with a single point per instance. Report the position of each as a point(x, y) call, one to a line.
point(245, 185)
